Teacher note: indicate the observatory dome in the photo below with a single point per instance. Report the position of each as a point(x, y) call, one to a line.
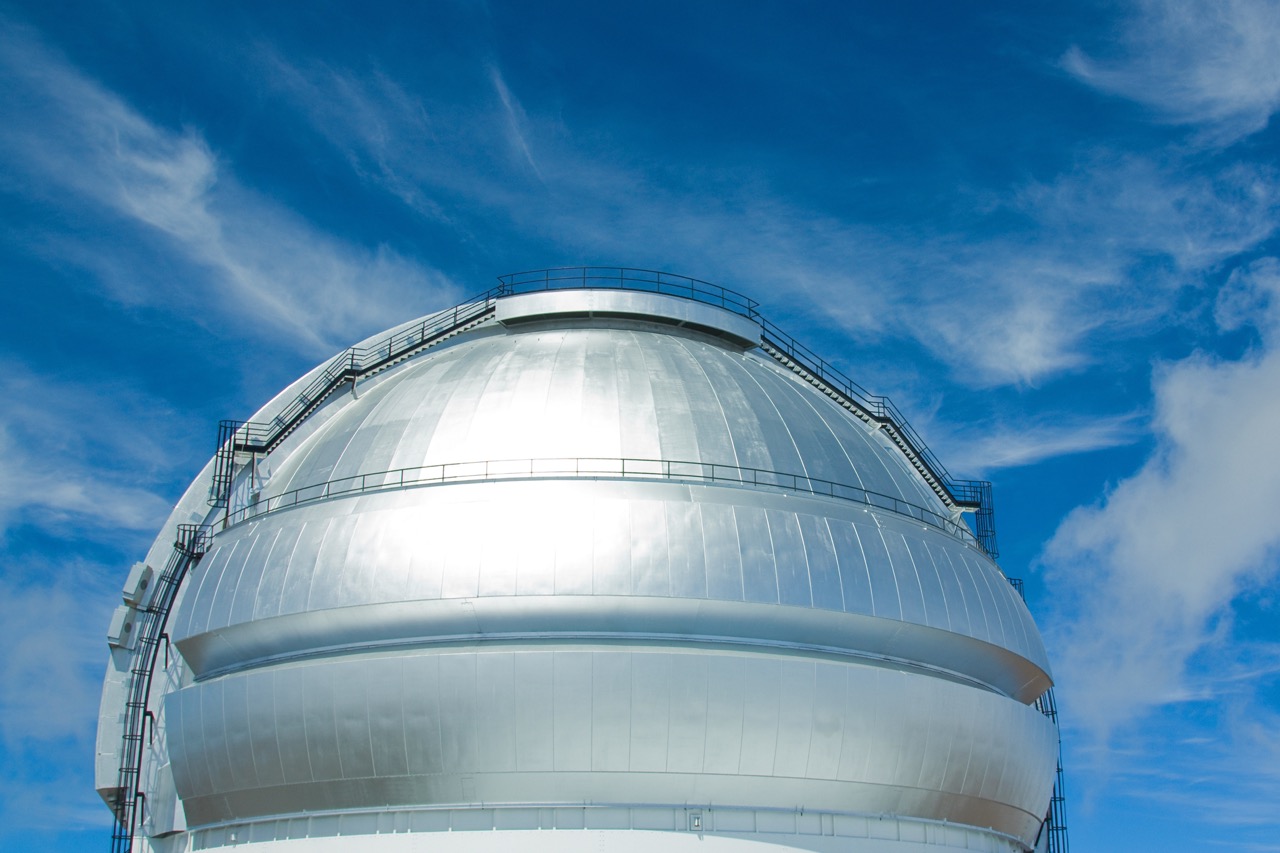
point(579, 559)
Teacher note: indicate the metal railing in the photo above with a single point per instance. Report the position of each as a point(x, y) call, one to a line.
point(349, 365)
point(628, 278)
point(599, 468)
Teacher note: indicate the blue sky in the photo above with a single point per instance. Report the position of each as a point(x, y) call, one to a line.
point(1048, 231)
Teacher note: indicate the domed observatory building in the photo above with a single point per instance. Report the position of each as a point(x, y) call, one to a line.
point(599, 560)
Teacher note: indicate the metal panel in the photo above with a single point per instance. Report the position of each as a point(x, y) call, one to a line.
point(723, 555)
point(935, 599)
point(611, 705)
point(650, 713)
point(234, 725)
point(213, 738)
point(759, 571)
point(534, 725)
point(423, 728)
point(351, 721)
point(686, 551)
point(496, 711)
point(275, 568)
point(910, 594)
point(650, 566)
point(824, 568)
point(458, 734)
point(953, 590)
point(796, 689)
point(320, 723)
point(637, 413)
point(571, 720)
point(791, 561)
point(760, 716)
point(611, 548)
point(686, 740)
point(827, 727)
point(881, 570)
point(289, 732)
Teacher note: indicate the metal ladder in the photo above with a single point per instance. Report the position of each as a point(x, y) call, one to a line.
point(191, 543)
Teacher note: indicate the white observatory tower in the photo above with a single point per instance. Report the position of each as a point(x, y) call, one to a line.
point(599, 560)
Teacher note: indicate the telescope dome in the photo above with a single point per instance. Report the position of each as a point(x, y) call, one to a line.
point(595, 558)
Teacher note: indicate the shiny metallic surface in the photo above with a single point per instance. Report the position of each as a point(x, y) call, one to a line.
point(516, 644)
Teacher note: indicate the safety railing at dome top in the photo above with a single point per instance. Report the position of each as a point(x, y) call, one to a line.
point(602, 468)
point(355, 362)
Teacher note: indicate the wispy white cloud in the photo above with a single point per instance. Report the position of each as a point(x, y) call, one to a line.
point(246, 257)
point(71, 457)
point(1013, 444)
point(1147, 577)
point(516, 118)
point(50, 678)
point(1078, 260)
point(52, 670)
point(1127, 208)
point(1202, 62)
point(435, 155)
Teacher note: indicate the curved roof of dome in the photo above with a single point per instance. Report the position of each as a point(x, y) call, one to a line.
point(625, 391)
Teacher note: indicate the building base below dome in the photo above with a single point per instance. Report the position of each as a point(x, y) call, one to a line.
point(593, 828)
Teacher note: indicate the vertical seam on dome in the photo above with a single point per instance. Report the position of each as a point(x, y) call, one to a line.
point(505, 355)
point(676, 373)
point(231, 596)
point(995, 603)
point(257, 589)
point(634, 338)
point(866, 566)
point(773, 553)
point(942, 587)
point(247, 682)
point(964, 602)
point(826, 524)
point(804, 469)
point(903, 469)
point(423, 372)
point(893, 570)
point(915, 570)
point(275, 726)
point(284, 581)
point(794, 389)
point(404, 725)
point(728, 430)
point(982, 606)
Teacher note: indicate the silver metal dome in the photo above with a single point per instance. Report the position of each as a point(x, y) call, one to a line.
point(596, 551)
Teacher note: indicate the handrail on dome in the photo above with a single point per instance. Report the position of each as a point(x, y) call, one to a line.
point(593, 468)
point(355, 362)
point(629, 278)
